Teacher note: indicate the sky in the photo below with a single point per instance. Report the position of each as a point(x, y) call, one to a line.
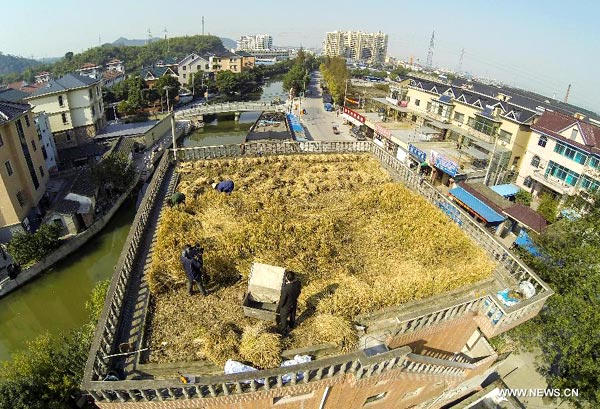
point(542, 46)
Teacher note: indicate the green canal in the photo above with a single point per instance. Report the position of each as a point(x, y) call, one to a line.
point(55, 302)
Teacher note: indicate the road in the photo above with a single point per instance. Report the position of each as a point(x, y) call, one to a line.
point(317, 122)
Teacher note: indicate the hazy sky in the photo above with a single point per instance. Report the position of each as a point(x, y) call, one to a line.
point(539, 45)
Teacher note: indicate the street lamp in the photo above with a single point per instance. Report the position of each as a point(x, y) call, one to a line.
point(172, 123)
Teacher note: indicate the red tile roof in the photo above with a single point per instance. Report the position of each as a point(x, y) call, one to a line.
point(551, 123)
point(87, 65)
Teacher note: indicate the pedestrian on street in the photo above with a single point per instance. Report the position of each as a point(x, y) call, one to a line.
point(288, 302)
point(191, 260)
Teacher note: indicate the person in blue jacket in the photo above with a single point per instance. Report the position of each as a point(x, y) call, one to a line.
point(191, 262)
point(225, 186)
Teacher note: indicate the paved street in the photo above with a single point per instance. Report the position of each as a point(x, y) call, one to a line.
point(318, 122)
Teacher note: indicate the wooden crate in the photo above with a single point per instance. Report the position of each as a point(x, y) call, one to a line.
point(264, 291)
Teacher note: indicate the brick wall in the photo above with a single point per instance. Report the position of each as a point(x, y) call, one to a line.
point(449, 336)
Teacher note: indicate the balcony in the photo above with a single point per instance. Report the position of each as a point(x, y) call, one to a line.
point(480, 135)
point(438, 117)
point(553, 183)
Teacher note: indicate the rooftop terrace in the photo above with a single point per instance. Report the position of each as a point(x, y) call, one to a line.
point(121, 329)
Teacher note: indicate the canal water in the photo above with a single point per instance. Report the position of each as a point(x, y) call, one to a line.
point(224, 130)
point(55, 302)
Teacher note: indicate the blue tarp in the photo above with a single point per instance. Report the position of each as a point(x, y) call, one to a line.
point(524, 241)
point(476, 205)
point(506, 190)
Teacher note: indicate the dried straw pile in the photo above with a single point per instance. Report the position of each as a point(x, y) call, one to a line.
point(359, 241)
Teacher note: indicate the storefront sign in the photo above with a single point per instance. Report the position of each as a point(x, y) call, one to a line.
point(417, 153)
point(354, 115)
point(444, 164)
point(383, 131)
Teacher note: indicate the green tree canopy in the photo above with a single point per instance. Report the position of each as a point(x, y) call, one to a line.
point(114, 172)
point(523, 197)
point(335, 75)
point(27, 248)
point(548, 207)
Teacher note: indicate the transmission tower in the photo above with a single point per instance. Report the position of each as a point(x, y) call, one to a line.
point(166, 38)
point(430, 53)
point(202, 25)
point(149, 36)
point(567, 94)
point(460, 61)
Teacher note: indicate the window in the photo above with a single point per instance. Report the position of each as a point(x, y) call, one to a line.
point(27, 123)
point(183, 76)
point(560, 172)
point(594, 161)
point(9, 168)
point(68, 136)
point(504, 136)
point(574, 133)
point(282, 400)
point(21, 198)
point(417, 102)
point(98, 91)
point(1, 141)
point(184, 68)
point(64, 118)
point(33, 145)
point(516, 160)
point(590, 184)
point(198, 67)
point(93, 111)
point(91, 94)
point(60, 101)
point(528, 182)
point(42, 171)
point(542, 141)
point(428, 107)
point(375, 398)
point(535, 161)
point(571, 153)
point(44, 153)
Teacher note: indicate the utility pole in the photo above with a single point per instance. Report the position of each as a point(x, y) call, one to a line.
point(166, 38)
point(202, 25)
point(429, 63)
point(169, 110)
point(460, 61)
point(489, 168)
point(567, 94)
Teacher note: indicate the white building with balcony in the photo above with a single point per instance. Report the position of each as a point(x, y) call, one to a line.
point(562, 157)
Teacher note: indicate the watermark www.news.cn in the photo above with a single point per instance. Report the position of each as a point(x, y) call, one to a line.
point(539, 393)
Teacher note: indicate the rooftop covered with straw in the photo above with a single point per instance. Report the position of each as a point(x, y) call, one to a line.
point(358, 240)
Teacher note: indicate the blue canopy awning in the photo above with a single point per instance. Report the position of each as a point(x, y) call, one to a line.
point(524, 241)
point(476, 206)
point(506, 190)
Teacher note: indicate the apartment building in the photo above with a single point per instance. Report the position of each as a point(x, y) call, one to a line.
point(90, 70)
point(357, 46)
point(562, 157)
point(226, 61)
point(190, 66)
point(255, 42)
point(74, 107)
point(23, 170)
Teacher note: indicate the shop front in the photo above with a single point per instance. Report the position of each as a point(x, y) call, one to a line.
point(444, 169)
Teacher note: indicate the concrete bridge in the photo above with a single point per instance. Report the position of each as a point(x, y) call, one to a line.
point(237, 107)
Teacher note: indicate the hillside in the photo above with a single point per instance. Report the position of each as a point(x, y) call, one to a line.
point(133, 42)
point(12, 64)
point(135, 57)
point(228, 43)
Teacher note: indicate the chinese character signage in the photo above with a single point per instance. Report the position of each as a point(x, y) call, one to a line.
point(417, 153)
point(444, 164)
point(354, 115)
point(383, 131)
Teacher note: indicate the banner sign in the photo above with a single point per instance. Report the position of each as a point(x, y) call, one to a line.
point(444, 164)
point(417, 153)
point(354, 115)
point(383, 131)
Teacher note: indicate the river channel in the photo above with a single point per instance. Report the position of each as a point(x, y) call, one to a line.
point(55, 302)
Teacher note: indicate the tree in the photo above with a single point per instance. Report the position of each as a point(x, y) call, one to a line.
point(227, 82)
point(114, 173)
point(29, 248)
point(523, 197)
point(164, 82)
point(335, 75)
point(69, 55)
point(568, 329)
point(548, 207)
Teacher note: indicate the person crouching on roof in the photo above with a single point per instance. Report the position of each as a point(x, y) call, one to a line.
point(225, 186)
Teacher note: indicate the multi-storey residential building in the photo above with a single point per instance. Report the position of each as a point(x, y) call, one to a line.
point(226, 61)
point(190, 66)
point(248, 60)
point(115, 65)
point(47, 141)
point(151, 74)
point(74, 107)
point(255, 42)
point(23, 171)
point(43, 77)
point(562, 157)
point(357, 46)
point(489, 128)
point(90, 70)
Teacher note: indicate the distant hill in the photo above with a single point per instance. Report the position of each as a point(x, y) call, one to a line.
point(134, 42)
point(228, 43)
point(12, 64)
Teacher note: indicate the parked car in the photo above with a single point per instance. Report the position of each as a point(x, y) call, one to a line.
point(336, 130)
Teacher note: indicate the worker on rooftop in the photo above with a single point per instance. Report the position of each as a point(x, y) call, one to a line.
point(191, 260)
point(225, 186)
point(288, 302)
